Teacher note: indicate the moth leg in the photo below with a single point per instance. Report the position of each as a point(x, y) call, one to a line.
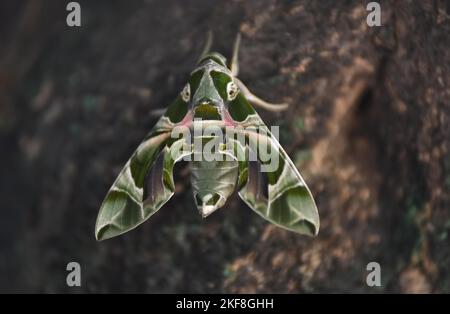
point(208, 43)
point(234, 67)
point(255, 100)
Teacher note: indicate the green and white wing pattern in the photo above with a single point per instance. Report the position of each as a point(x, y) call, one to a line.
point(280, 195)
point(145, 183)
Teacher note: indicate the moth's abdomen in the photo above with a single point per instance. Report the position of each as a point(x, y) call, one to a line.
point(212, 183)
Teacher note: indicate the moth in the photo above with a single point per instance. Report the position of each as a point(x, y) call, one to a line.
point(212, 97)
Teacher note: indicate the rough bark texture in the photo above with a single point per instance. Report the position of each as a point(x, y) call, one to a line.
point(368, 125)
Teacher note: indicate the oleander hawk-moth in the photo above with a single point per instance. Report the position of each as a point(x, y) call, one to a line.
point(212, 97)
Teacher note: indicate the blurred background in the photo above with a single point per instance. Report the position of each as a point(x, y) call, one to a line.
point(368, 126)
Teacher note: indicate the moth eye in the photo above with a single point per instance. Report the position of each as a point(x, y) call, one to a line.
point(232, 90)
point(186, 93)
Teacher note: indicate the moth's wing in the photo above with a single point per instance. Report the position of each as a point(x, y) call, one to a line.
point(145, 183)
point(278, 192)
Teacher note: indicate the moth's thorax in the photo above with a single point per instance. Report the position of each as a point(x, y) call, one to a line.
point(207, 110)
point(207, 102)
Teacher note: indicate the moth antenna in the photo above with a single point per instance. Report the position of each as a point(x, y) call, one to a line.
point(234, 66)
point(258, 102)
point(208, 44)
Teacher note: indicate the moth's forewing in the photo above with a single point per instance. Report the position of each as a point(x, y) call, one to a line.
point(280, 195)
point(146, 181)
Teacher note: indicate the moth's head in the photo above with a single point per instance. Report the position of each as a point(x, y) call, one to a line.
point(210, 88)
